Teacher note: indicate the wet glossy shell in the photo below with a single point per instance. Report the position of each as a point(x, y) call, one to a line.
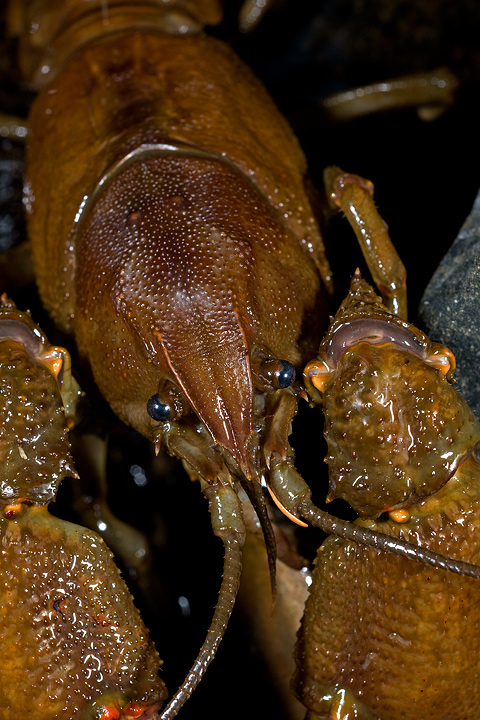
point(396, 429)
point(207, 248)
point(34, 449)
point(137, 89)
point(183, 268)
point(400, 637)
point(69, 631)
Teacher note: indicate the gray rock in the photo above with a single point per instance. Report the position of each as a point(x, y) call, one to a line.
point(450, 307)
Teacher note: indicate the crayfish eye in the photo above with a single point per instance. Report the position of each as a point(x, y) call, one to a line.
point(285, 374)
point(270, 373)
point(158, 410)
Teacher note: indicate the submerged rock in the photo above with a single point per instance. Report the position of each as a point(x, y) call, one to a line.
point(450, 307)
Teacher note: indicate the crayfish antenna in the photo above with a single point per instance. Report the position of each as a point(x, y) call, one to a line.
point(255, 494)
point(381, 541)
point(227, 523)
point(293, 493)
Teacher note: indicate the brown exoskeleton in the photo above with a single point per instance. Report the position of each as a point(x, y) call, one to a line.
point(383, 638)
point(72, 643)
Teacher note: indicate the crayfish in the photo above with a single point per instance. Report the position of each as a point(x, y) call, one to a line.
point(383, 638)
point(173, 236)
point(73, 644)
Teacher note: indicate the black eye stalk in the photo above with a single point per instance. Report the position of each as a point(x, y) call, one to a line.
point(285, 375)
point(158, 410)
point(168, 403)
point(270, 373)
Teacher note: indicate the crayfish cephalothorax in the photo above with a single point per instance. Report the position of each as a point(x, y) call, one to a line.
point(383, 637)
point(73, 644)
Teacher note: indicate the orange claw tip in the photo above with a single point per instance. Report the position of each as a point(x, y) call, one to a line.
point(118, 707)
point(53, 359)
point(316, 374)
point(133, 710)
point(55, 365)
point(144, 712)
point(442, 359)
point(303, 394)
point(284, 510)
point(318, 382)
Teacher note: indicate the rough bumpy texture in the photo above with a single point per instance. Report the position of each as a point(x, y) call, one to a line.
point(396, 429)
point(34, 447)
point(69, 631)
point(190, 282)
point(385, 637)
point(400, 637)
point(385, 410)
point(182, 169)
point(449, 307)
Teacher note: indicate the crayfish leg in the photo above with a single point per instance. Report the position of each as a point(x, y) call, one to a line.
point(354, 196)
point(293, 493)
point(431, 93)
